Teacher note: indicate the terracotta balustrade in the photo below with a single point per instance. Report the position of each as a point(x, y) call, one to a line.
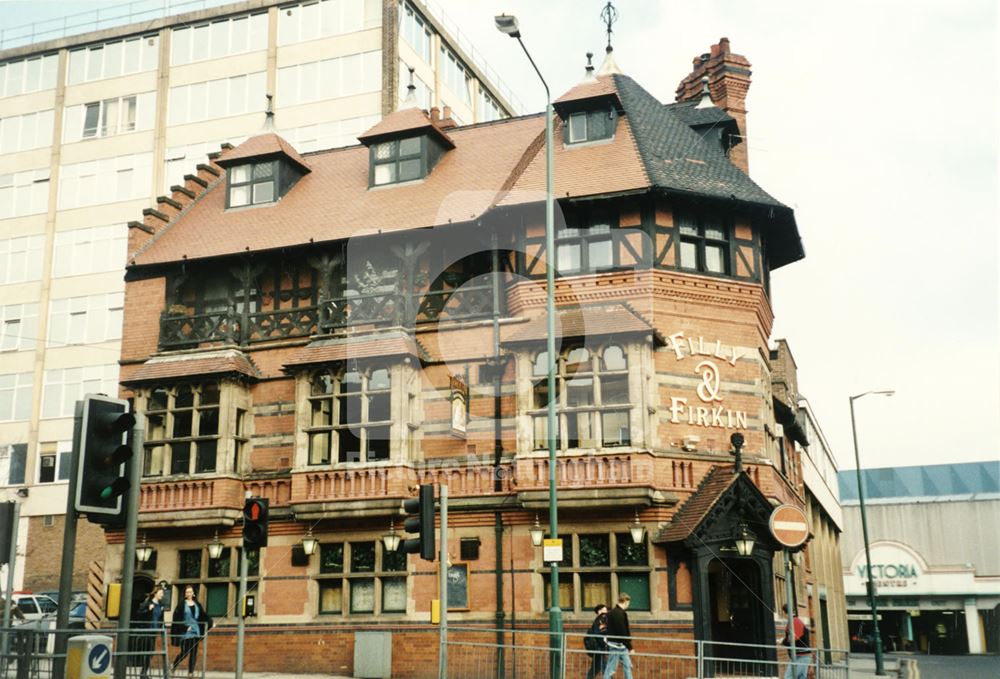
point(625, 469)
point(170, 496)
point(278, 491)
point(470, 481)
point(348, 484)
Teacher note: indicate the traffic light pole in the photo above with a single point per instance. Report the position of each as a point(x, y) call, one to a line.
point(11, 563)
point(241, 616)
point(128, 555)
point(443, 644)
point(69, 544)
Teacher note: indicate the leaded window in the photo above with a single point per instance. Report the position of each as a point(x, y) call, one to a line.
point(215, 581)
point(597, 568)
point(182, 430)
point(399, 160)
point(253, 183)
point(349, 415)
point(358, 578)
point(704, 243)
point(592, 394)
point(590, 126)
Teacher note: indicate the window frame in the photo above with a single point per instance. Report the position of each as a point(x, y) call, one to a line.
point(167, 464)
point(701, 223)
point(589, 230)
point(597, 409)
point(124, 117)
point(395, 160)
point(333, 409)
point(572, 575)
point(380, 574)
point(204, 580)
point(588, 117)
point(60, 452)
point(253, 183)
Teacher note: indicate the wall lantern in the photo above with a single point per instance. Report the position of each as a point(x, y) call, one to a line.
point(637, 530)
point(537, 533)
point(143, 551)
point(309, 543)
point(215, 547)
point(744, 540)
point(391, 539)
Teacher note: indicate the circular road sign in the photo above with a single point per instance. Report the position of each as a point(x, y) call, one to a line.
point(789, 526)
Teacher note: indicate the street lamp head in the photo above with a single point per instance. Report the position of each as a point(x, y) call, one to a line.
point(878, 392)
point(507, 23)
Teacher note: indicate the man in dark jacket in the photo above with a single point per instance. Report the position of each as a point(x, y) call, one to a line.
point(595, 643)
point(619, 639)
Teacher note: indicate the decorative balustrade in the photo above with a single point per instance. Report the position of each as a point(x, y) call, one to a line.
point(626, 469)
point(347, 484)
point(282, 323)
point(278, 491)
point(185, 330)
point(173, 496)
point(471, 481)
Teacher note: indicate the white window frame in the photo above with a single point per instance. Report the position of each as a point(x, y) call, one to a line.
point(15, 396)
point(123, 114)
point(93, 249)
point(59, 452)
point(85, 320)
point(18, 326)
point(21, 259)
point(62, 387)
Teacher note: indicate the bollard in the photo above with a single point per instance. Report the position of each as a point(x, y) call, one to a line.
point(88, 656)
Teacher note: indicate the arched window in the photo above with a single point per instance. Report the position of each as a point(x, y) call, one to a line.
point(349, 415)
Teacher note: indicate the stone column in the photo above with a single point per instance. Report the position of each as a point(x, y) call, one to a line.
point(972, 627)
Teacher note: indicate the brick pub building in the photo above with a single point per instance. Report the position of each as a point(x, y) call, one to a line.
point(328, 330)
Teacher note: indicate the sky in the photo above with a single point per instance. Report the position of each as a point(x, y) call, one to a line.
point(877, 122)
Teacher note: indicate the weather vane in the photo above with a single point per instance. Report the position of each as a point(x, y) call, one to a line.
point(609, 15)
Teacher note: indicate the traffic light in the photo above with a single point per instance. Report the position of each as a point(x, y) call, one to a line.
point(6, 526)
point(420, 521)
point(255, 523)
point(101, 479)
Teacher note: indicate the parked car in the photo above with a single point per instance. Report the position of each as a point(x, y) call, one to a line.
point(78, 615)
point(35, 606)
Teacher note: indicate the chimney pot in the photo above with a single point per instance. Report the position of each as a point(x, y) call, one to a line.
point(447, 112)
point(435, 113)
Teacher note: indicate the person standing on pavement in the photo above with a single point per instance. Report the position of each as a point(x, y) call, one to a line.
point(800, 656)
point(619, 639)
point(149, 618)
point(189, 625)
point(596, 643)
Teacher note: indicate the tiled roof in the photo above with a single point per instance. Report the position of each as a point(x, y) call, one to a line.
point(693, 116)
point(405, 120)
point(600, 86)
point(696, 508)
point(378, 345)
point(262, 145)
point(592, 320)
point(228, 361)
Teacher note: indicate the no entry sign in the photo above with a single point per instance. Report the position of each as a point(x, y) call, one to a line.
point(789, 526)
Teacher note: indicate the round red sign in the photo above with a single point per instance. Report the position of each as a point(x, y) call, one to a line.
point(789, 525)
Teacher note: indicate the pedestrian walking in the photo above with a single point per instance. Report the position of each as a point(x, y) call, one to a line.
point(149, 621)
point(800, 655)
point(188, 627)
point(596, 642)
point(619, 639)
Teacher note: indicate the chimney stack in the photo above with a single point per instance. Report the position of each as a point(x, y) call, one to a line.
point(728, 82)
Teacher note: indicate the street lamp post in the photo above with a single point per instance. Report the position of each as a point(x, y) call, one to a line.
point(870, 585)
point(508, 25)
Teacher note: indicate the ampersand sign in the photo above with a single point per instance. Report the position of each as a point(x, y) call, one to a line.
point(708, 390)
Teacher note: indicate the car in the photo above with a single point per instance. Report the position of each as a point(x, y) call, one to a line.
point(35, 606)
point(78, 615)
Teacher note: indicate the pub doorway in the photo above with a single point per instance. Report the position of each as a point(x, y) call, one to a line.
point(738, 612)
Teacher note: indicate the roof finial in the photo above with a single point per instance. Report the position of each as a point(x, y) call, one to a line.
point(609, 15)
point(410, 100)
point(705, 96)
point(269, 114)
point(589, 71)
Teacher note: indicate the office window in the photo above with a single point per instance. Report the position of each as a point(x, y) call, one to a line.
point(108, 60)
point(597, 568)
point(181, 160)
point(24, 193)
point(399, 160)
point(253, 184)
point(330, 135)
point(18, 327)
point(216, 582)
point(28, 75)
point(350, 416)
point(312, 20)
point(13, 460)
point(90, 250)
point(27, 131)
point(63, 387)
point(108, 180)
point(233, 35)
point(455, 75)
point(329, 79)
point(20, 258)
point(416, 32)
point(217, 98)
point(592, 394)
point(85, 320)
point(361, 578)
point(704, 243)
point(182, 430)
point(109, 117)
point(489, 109)
point(15, 397)
point(54, 461)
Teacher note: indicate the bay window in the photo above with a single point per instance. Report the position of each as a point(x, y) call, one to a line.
point(349, 415)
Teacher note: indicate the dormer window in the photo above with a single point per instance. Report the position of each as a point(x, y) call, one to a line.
point(590, 126)
point(399, 160)
point(253, 183)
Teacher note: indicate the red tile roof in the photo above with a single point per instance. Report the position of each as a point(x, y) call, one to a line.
point(259, 146)
point(405, 120)
point(602, 85)
point(584, 321)
point(227, 361)
point(377, 345)
point(696, 508)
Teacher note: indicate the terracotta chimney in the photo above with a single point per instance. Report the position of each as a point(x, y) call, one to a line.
point(728, 82)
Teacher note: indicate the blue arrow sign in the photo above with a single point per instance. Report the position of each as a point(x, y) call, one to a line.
point(99, 659)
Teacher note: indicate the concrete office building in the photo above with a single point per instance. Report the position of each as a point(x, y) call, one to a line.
point(94, 127)
point(935, 556)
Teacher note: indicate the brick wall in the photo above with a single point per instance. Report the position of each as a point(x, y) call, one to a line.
point(43, 556)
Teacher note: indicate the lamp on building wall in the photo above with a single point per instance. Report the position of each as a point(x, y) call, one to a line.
point(215, 547)
point(745, 540)
point(537, 533)
point(143, 551)
point(637, 530)
point(309, 543)
point(391, 539)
